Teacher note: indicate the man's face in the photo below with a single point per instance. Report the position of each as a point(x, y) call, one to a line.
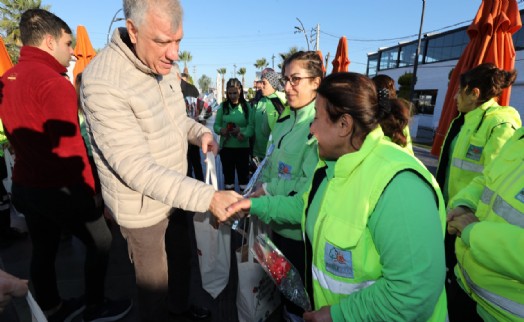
point(155, 42)
point(62, 50)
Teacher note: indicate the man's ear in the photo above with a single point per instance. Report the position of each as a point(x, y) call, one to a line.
point(49, 42)
point(132, 30)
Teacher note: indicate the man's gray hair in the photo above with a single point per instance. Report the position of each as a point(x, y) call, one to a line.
point(136, 10)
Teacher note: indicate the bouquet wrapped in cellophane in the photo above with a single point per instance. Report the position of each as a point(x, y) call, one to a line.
point(281, 271)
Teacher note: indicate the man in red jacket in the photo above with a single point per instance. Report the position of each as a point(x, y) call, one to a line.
point(53, 182)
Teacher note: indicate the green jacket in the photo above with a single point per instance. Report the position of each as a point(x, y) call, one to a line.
point(490, 262)
point(266, 116)
point(236, 115)
point(288, 172)
point(479, 141)
point(364, 265)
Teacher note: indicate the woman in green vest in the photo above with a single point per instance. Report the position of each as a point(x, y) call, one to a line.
point(474, 139)
point(374, 214)
point(488, 216)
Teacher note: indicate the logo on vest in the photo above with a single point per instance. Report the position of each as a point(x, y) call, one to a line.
point(474, 152)
point(284, 171)
point(520, 196)
point(338, 262)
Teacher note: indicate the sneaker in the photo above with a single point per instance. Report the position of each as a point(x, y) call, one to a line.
point(68, 311)
point(108, 311)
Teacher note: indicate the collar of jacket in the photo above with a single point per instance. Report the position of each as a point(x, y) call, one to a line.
point(347, 163)
point(480, 110)
point(32, 54)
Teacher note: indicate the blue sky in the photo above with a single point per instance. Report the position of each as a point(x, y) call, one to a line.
point(237, 32)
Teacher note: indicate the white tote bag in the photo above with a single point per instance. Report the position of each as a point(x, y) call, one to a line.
point(257, 295)
point(213, 245)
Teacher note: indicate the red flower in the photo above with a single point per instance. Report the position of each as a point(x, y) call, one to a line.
point(278, 266)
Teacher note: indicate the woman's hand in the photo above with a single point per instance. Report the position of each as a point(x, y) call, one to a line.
point(459, 218)
point(322, 315)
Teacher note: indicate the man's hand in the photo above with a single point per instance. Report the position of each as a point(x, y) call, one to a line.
point(10, 286)
point(221, 200)
point(208, 143)
point(458, 218)
point(322, 315)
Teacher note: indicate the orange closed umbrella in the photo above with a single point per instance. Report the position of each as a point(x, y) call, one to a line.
point(322, 60)
point(490, 41)
point(84, 51)
point(341, 61)
point(5, 60)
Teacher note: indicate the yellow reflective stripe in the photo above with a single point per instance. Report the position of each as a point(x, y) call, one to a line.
point(336, 286)
point(466, 165)
point(503, 209)
point(496, 300)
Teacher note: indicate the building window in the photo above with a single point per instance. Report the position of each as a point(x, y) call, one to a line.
point(447, 46)
point(408, 51)
point(389, 58)
point(424, 101)
point(372, 65)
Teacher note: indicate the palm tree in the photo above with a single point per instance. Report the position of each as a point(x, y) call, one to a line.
point(242, 72)
point(222, 72)
point(10, 13)
point(261, 63)
point(186, 57)
point(284, 56)
point(204, 82)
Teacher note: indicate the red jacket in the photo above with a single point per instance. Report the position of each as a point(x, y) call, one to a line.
point(39, 110)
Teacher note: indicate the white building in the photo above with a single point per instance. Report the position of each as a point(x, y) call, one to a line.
point(439, 53)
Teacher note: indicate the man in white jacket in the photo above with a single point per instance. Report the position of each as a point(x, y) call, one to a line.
point(139, 130)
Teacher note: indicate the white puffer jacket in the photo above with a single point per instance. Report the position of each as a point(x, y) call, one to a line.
point(139, 132)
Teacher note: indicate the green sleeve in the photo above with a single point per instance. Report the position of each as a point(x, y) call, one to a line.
point(470, 195)
point(217, 126)
point(501, 252)
point(279, 209)
point(407, 233)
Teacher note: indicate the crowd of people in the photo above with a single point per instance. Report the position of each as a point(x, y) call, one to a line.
point(373, 234)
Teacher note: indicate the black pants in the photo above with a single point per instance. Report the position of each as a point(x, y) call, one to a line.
point(185, 282)
point(5, 203)
point(47, 212)
point(235, 159)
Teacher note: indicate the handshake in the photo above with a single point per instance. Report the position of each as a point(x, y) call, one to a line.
point(229, 205)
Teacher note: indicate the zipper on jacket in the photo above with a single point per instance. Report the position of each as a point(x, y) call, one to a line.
point(291, 129)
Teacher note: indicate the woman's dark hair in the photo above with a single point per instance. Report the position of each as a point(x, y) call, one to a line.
point(356, 95)
point(387, 83)
point(234, 82)
point(310, 61)
point(489, 79)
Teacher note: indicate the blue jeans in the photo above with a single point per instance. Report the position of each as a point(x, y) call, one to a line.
point(47, 212)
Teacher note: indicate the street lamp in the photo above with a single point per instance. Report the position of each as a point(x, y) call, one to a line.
point(115, 19)
point(301, 29)
point(417, 53)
